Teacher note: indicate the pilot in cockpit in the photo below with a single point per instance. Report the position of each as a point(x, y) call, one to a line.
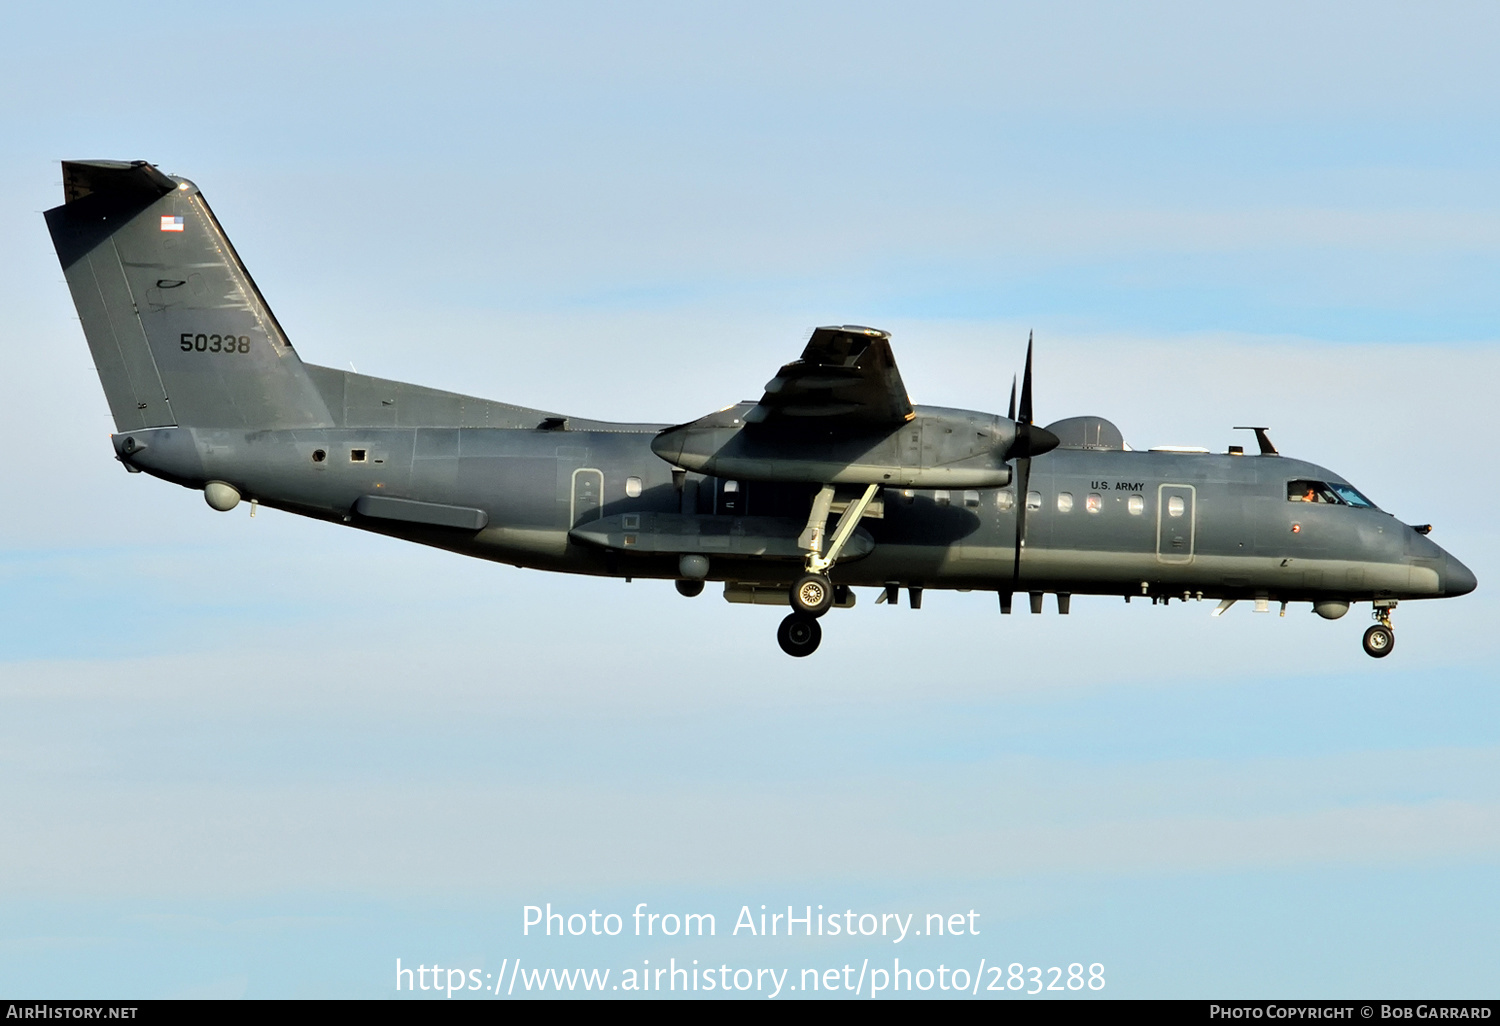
point(1305, 491)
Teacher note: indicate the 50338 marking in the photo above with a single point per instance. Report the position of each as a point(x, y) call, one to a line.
point(201, 343)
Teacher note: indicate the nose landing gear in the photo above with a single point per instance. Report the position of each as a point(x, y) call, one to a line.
point(1380, 639)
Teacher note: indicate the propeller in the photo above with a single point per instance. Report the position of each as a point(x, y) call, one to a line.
point(1030, 441)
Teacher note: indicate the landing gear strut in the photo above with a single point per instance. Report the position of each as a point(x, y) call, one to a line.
point(812, 594)
point(1380, 639)
point(799, 635)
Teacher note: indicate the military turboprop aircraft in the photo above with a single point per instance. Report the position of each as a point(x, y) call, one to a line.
point(207, 392)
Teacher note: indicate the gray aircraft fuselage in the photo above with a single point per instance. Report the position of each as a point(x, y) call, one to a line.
point(540, 488)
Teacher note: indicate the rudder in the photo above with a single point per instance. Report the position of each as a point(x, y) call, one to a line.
point(179, 332)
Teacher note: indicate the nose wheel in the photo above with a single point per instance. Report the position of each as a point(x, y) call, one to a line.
point(1380, 639)
point(799, 635)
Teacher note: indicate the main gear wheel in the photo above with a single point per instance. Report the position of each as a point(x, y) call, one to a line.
point(812, 594)
point(799, 635)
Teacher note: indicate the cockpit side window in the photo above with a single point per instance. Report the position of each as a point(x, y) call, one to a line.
point(1311, 491)
point(1324, 492)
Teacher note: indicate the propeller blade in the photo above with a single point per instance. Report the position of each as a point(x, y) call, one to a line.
point(1030, 440)
point(1026, 386)
point(1023, 482)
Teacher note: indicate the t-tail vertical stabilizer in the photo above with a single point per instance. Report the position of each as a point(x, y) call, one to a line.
point(179, 333)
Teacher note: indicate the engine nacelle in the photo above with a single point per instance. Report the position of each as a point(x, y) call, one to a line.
point(937, 448)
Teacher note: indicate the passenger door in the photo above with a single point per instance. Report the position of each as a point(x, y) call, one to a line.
point(588, 495)
point(1176, 519)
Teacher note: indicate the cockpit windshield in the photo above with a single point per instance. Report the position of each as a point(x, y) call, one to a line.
point(1350, 495)
point(1329, 492)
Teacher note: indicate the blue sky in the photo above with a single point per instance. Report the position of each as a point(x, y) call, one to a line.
point(269, 757)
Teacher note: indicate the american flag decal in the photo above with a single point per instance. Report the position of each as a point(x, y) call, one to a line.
point(170, 223)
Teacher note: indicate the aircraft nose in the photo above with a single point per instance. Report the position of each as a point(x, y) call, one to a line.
point(1457, 578)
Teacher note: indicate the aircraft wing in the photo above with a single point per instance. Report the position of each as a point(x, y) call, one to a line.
point(846, 377)
point(840, 415)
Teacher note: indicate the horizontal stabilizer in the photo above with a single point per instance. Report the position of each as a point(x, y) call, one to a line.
point(116, 178)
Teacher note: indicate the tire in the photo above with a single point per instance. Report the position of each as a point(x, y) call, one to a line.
point(812, 594)
point(1379, 641)
point(799, 635)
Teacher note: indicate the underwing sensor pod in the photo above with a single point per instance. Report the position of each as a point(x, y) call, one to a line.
point(832, 480)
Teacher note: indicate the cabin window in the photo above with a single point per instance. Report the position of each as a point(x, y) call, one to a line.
point(319, 455)
point(1136, 505)
point(1005, 500)
point(1094, 503)
point(1033, 500)
point(633, 487)
point(358, 455)
point(940, 496)
point(971, 499)
point(1065, 502)
point(1175, 506)
point(729, 486)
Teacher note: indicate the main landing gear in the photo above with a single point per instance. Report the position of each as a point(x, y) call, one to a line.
point(1381, 639)
point(812, 594)
point(799, 635)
